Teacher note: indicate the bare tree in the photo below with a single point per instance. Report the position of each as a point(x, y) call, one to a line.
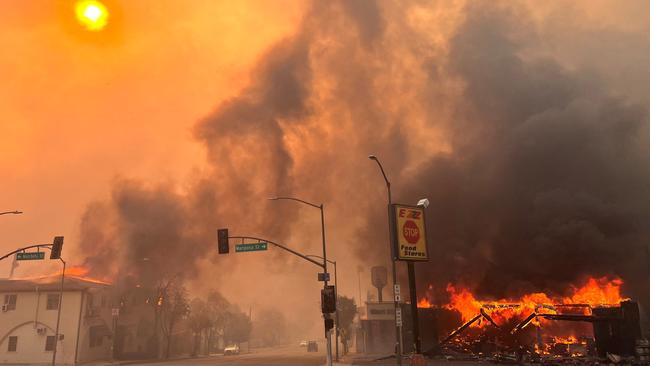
point(171, 306)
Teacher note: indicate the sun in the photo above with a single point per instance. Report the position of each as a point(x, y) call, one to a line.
point(91, 14)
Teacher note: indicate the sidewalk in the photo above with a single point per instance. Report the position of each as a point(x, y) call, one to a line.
point(389, 360)
point(362, 358)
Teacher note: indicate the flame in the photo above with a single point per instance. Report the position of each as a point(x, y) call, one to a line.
point(595, 292)
point(424, 303)
point(77, 272)
point(568, 340)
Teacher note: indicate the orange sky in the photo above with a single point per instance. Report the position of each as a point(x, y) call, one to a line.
point(78, 109)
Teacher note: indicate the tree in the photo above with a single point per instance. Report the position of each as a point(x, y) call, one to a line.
point(270, 327)
point(347, 311)
point(172, 306)
point(200, 321)
point(218, 308)
point(237, 328)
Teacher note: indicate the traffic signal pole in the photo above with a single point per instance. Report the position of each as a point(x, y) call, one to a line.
point(328, 332)
point(58, 315)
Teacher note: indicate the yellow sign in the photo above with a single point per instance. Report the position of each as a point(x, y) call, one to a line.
point(409, 233)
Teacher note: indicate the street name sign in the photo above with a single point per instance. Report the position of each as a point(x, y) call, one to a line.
point(30, 256)
point(322, 277)
point(254, 247)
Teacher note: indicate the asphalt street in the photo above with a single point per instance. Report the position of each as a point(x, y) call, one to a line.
point(285, 356)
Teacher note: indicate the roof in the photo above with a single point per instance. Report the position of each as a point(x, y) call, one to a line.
point(50, 283)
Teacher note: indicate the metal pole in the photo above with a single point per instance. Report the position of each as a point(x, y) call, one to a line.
point(398, 341)
point(328, 334)
point(417, 344)
point(58, 315)
point(322, 221)
point(336, 295)
point(359, 286)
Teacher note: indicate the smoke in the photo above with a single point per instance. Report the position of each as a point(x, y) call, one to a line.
point(546, 184)
point(535, 171)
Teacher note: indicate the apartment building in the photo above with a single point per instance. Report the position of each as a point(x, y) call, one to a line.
point(28, 320)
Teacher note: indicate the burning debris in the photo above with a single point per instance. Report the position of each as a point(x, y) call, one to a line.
point(593, 322)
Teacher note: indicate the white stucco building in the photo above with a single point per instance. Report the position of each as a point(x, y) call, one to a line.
point(28, 321)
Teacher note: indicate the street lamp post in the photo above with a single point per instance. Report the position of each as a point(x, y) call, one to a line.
point(398, 341)
point(336, 295)
point(322, 222)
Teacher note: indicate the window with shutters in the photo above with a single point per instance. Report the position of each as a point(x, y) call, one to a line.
point(12, 344)
point(10, 301)
point(50, 343)
point(52, 302)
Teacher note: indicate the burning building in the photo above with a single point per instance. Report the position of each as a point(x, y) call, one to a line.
point(593, 320)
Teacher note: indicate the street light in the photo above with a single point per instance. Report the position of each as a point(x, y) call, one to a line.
point(398, 341)
point(322, 222)
point(336, 296)
point(11, 213)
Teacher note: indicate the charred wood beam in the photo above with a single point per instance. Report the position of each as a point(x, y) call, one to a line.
point(489, 318)
point(578, 318)
point(524, 323)
point(460, 329)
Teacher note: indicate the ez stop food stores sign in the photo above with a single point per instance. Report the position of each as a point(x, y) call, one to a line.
point(409, 233)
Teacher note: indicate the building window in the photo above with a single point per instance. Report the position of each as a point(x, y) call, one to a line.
point(50, 343)
point(13, 344)
point(52, 302)
point(96, 336)
point(10, 301)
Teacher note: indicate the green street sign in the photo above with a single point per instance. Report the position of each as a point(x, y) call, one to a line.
point(255, 247)
point(30, 256)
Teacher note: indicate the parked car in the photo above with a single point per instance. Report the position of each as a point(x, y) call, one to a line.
point(233, 349)
point(312, 346)
point(303, 343)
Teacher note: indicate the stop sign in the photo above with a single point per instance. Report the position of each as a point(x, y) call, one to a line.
point(411, 232)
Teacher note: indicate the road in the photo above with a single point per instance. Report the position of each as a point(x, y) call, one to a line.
point(285, 356)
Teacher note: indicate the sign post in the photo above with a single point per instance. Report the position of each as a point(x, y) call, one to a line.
point(410, 245)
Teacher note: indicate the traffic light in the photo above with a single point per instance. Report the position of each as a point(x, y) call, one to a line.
point(328, 300)
point(57, 245)
point(329, 324)
point(222, 241)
